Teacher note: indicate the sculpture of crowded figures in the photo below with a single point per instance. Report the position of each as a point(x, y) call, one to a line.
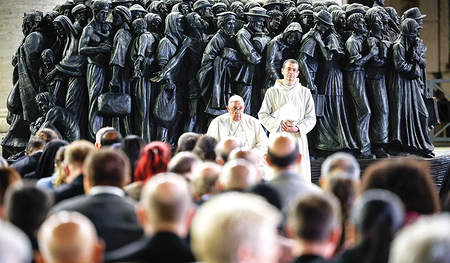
point(173, 64)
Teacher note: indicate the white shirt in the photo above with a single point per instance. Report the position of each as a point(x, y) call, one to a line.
point(271, 114)
point(248, 129)
point(102, 189)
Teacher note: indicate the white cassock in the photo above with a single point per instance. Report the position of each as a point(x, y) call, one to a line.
point(248, 130)
point(295, 102)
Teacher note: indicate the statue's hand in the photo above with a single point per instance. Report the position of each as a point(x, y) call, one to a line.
point(159, 77)
point(374, 51)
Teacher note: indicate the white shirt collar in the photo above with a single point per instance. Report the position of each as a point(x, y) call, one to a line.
point(106, 189)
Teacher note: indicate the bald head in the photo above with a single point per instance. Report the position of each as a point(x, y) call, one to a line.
point(283, 151)
point(224, 147)
point(204, 179)
point(166, 199)
point(238, 175)
point(69, 237)
point(248, 155)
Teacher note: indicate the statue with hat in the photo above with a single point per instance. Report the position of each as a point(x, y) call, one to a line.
point(273, 5)
point(358, 56)
point(203, 8)
point(238, 8)
point(95, 44)
point(252, 55)
point(137, 11)
point(79, 12)
point(218, 68)
point(409, 118)
point(22, 107)
point(312, 48)
point(279, 49)
point(217, 8)
point(332, 131)
point(306, 20)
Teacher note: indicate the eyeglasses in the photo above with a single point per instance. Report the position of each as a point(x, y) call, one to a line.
point(237, 109)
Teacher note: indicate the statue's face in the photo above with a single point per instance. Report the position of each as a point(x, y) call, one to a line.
point(59, 30)
point(180, 24)
point(236, 109)
point(42, 106)
point(361, 26)
point(138, 14)
point(322, 27)
point(67, 12)
point(275, 22)
point(257, 24)
point(102, 14)
point(377, 24)
point(205, 12)
point(117, 19)
point(307, 20)
point(420, 22)
point(47, 61)
point(139, 29)
point(163, 9)
point(220, 10)
point(240, 12)
point(229, 27)
point(184, 8)
point(291, 18)
point(80, 16)
point(292, 38)
point(157, 23)
point(198, 22)
point(342, 21)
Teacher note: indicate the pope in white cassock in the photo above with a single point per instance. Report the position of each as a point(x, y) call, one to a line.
point(289, 107)
point(237, 124)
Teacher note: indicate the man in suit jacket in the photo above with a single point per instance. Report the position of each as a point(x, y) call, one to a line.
point(105, 203)
point(284, 157)
point(74, 157)
point(164, 210)
point(29, 162)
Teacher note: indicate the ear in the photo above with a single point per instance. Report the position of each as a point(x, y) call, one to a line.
point(299, 159)
point(99, 251)
point(245, 254)
point(190, 216)
point(86, 183)
point(289, 229)
point(219, 161)
point(97, 146)
point(37, 257)
point(141, 215)
point(322, 182)
point(66, 169)
point(268, 161)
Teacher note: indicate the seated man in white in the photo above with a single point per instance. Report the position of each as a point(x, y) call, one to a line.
point(237, 124)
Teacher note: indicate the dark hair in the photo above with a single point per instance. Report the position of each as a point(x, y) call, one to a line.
point(204, 148)
point(316, 216)
point(408, 178)
point(27, 207)
point(34, 145)
point(111, 137)
point(132, 145)
point(187, 142)
point(107, 167)
point(182, 163)
point(290, 60)
point(8, 176)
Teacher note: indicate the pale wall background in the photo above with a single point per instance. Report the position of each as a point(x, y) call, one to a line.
point(435, 35)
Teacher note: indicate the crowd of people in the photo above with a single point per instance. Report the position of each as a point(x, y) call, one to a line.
point(119, 200)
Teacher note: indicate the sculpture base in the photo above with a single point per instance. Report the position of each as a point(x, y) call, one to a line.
point(439, 167)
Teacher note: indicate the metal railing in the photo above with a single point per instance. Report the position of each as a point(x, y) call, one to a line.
point(434, 84)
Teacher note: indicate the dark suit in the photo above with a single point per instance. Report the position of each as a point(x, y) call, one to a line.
point(67, 191)
point(113, 217)
point(163, 247)
point(310, 259)
point(291, 186)
point(27, 164)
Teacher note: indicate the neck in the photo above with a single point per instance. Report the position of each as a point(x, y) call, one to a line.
point(323, 250)
point(73, 174)
point(289, 83)
point(176, 228)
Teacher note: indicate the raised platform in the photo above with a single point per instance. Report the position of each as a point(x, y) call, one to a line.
point(439, 166)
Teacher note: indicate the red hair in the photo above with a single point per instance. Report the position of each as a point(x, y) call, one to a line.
point(154, 159)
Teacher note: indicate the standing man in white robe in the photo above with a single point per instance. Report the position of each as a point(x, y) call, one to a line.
point(289, 107)
point(237, 124)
